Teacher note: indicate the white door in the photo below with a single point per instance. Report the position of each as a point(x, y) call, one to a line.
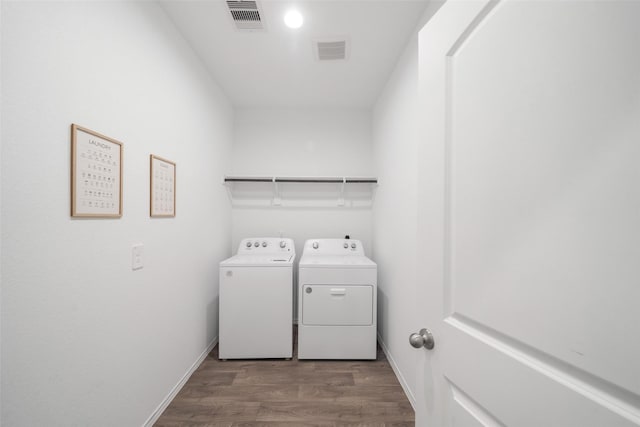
point(530, 214)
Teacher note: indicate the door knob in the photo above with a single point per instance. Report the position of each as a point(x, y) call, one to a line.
point(424, 338)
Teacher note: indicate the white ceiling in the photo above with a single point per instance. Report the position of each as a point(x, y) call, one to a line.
point(277, 67)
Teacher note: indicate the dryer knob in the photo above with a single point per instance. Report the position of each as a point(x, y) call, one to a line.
point(315, 245)
point(353, 245)
point(346, 245)
point(248, 244)
point(283, 244)
point(264, 244)
point(256, 244)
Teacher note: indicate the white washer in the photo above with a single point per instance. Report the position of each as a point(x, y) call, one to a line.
point(337, 303)
point(256, 300)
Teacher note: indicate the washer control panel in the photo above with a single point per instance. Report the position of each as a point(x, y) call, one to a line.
point(266, 245)
point(333, 247)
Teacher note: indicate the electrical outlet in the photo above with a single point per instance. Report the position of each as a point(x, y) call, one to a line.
point(136, 256)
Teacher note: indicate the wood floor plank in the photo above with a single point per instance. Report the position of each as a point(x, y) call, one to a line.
point(192, 424)
point(167, 423)
point(352, 393)
point(348, 365)
point(284, 375)
point(321, 424)
point(334, 411)
point(214, 378)
point(223, 412)
point(285, 424)
point(247, 393)
point(386, 377)
point(243, 365)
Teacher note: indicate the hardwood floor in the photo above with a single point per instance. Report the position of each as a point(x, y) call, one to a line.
point(290, 393)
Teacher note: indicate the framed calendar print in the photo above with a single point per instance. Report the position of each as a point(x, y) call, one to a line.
point(96, 174)
point(163, 187)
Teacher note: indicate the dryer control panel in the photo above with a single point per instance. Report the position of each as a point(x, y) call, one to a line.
point(266, 245)
point(333, 247)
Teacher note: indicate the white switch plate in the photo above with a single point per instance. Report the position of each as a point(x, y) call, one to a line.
point(136, 256)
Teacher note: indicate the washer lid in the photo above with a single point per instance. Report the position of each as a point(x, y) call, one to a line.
point(336, 261)
point(271, 260)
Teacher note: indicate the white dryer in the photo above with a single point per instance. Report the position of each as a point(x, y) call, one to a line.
point(337, 301)
point(256, 300)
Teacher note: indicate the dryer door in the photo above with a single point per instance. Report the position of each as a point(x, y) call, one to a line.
point(337, 305)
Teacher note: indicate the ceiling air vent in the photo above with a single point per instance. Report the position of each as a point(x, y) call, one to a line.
point(331, 49)
point(246, 14)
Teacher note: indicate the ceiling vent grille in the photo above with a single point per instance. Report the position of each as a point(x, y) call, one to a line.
point(331, 50)
point(246, 14)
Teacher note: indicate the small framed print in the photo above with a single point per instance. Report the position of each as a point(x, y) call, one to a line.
point(96, 174)
point(163, 187)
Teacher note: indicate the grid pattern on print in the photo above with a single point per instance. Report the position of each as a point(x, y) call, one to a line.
point(162, 187)
point(97, 175)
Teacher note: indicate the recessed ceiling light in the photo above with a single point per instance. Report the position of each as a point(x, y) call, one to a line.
point(293, 19)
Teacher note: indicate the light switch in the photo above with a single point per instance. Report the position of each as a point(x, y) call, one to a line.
point(136, 256)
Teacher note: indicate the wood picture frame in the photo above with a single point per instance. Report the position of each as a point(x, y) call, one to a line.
point(162, 190)
point(96, 174)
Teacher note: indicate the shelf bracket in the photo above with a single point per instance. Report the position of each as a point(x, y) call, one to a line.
point(229, 192)
point(277, 200)
point(341, 198)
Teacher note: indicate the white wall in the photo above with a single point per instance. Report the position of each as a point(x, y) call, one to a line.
point(1, 122)
point(86, 340)
point(302, 142)
point(395, 151)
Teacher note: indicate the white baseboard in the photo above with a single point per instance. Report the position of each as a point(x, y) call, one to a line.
point(396, 370)
point(176, 389)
